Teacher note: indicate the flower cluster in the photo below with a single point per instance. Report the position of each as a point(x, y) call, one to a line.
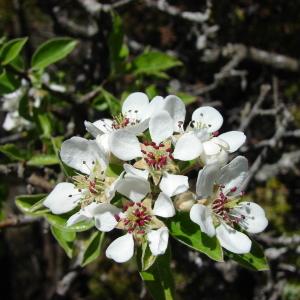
point(150, 142)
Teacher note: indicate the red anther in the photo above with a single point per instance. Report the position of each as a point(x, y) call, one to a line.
point(216, 133)
point(126, 222)
point(141, 231)
point(153, 144)
point(161, 145)
point(233, 189)
point(141, 222)
point(138, 204)
point(151, 155)
point(169, 150)
point(125, 207)
point(171, 156)
point(117, 217)
point(146, 143)
point(143, 151)
point(131, 203)
point(146, 160)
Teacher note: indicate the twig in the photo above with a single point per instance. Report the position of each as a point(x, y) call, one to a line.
point(17, 221)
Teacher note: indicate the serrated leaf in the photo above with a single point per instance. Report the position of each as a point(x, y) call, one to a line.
point(159, 278)
point(255, 260)
point(65, 239)
point(52, 51)
point(187, 232)
point(13, 152)
point(43, 160)
point(12, 49)
point(60, 221)
point(93, 248)
point(154, 62)
point(31, 204)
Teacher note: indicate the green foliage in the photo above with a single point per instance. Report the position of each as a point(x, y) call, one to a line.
point(65, 239)
point(13, 152)
point(8, 83)
point(106, 100)
point(92, 248)
point(45, 124)
point(154, 63)
point(146, 257)
point(11, 50)
point(291, 290)
point(255, 260)
point(43, 160)
point(159, 278)
point(189, 233)
point(31, 204)
point(52, 51)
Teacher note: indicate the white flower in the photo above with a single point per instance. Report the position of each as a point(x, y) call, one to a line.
point(133, 120)
point(200, 138)
point(93, 189)
point(13, 121)
point(220, 209)
point(140, 222)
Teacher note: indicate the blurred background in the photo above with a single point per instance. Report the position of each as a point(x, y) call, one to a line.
point(242, 57)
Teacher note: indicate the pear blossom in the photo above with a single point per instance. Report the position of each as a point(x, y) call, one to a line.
point(141, 224)
point(133, 120)
point(92, 188)
point(201, 138)
point(219, 209)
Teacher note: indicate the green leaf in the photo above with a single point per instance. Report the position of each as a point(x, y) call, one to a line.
point(255, 260)
point(154, 62)
point(11, 50)
point(31, 204)
point(93, 248)
point(114, 170)
point(43, 160)
point(65, 239)
point(159, 278)
point(8, 83)
point(113, 103)
point(60, 221)
point(52, 51)
point(13, 152)
point(118, 51)
point(187, 232)
point(45, 124)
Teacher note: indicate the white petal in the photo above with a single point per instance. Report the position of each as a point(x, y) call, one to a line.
point(156, 105)
point(233, 240)
point(188, 147)
point(99, 127)
point(76, 218)
point(209, 116)
point(81, 154)
point(121, 249)
point(139, 127)
point(163, 206)
point(136, 105)
point(255, 220)
point(125, 145)
point(103, 142)
point(235, 139)
point(111, 190)
point(211, 148)
point(201, 215)
point(158, 240)
point(63, 198)
point(176, 109)
point(173, 185)
point(221, 158)
point(206, 180)
point(104, 216)
point(129, 169)
point(160, 126)
point(134, 188)
point(233, 174)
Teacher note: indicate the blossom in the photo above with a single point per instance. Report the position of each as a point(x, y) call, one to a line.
point(141, 224)
point(220, 210)
point(92, 188)
point(201, 138)
point(133, 120)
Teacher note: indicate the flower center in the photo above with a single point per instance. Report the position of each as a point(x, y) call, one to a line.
point(157, 156)
point(136, 218)
point(222, 208)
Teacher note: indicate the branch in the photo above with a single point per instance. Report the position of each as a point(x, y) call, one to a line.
point(17, 221)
